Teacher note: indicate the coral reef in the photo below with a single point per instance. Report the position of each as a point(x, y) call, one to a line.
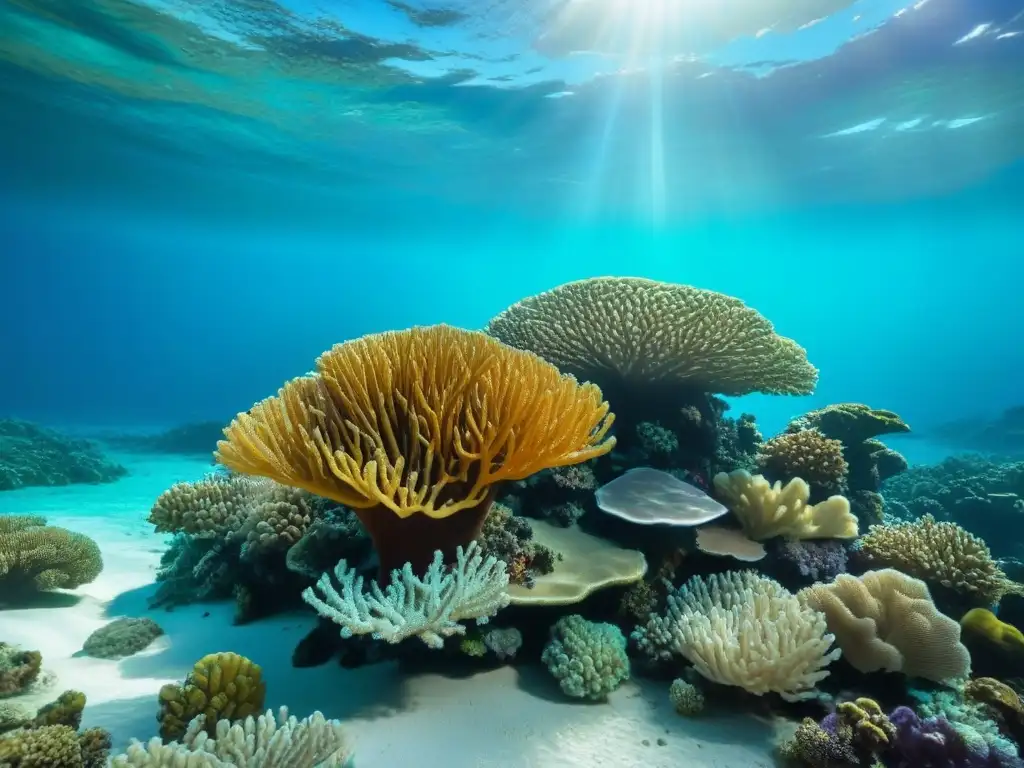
point(36, 557)
point(687, 699)
point(809, 455)
point(266, 741)
point(510, 539)
point(221, 686)
point(121, 637)
point(34, 456)
point(19, 669)
point(742, 629)
point(51, 738)
point(941, 553)
point(417, 448)
point(587, 658)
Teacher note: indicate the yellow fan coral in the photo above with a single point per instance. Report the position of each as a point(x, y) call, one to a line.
point(766, 510)
point(221, 686)
point(886, 620)
point(643, 331)
point(943, 553)
point(413, 429)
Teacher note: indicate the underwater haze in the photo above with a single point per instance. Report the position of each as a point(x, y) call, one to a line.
point(198, 198)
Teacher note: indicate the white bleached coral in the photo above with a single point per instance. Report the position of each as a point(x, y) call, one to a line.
point(740, 628)
point(264, 742)
point(429, 607)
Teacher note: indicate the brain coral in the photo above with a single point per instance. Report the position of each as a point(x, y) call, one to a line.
point(808, 455)
point(639, 331)
point(943, 553)
point(412, 429)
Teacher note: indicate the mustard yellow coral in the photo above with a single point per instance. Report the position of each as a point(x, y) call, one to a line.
point(942, 553)
point(808, 455)
point(411, 427)
point(766, 510)
point(983, 622)
point(221, 686)
point(639, 331)
point(872, 731)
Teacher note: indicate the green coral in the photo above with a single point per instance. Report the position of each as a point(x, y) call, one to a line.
point(587, 658)
point(65, 710)
point(121, 637)
point(687, 699)
point(35, 557)
point(18, 669)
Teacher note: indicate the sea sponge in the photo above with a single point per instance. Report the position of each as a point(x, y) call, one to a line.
point(213, 507)
point(767, 510)
point(221, 686)
point(18, 669)
point(886, 620)
point(740, 628)
point(121, 637)
point(983, 622)
point(36, 557)
point(264, 742)
point(412, 429)
point(808, 455)
point(687, 699)
point(587, 658)
point(943, 553)
point(640, 332)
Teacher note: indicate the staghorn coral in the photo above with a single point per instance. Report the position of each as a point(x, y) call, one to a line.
point(18, 669)
point(221, 686)
point(429, 608)
point(886, 620)
point(412, 429)
point(121, 637)
point(587, 658)
point(262, 742)
point(642, 332)
point(742, 629)
point(943, 553)
point(809, 455)
point(35, 557)
point(767, 510)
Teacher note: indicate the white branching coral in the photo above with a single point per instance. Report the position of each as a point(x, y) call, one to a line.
point(265, 742)
point(740, 628)
point(430, 607)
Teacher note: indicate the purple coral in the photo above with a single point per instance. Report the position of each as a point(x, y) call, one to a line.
point(820, 560)
point(934, 743)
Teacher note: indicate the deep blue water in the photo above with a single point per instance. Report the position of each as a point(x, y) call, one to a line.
point(197, 199)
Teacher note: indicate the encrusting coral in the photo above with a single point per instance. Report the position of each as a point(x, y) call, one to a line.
point(766, 510)
point(642, 332)
point(587, 658)
point(886, 620)
point(221, 686)
point(430, 607)
point(943, 553)
point(743, 629)
point(265, 741)
point(412, 429)
point(809, 455)
point(36, 557)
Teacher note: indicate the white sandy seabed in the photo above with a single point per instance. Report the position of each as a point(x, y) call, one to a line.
point(512, 716)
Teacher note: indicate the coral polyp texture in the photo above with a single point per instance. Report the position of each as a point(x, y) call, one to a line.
point(587, 658)
point(766, 510)
point(36, 557)
point(213, 507)
point(412, 429)
point(808, 455)
point(940, 553)
point(743, 629)
point(886, 620)
point(650, 332)
point(267, 741)
point(221, 686)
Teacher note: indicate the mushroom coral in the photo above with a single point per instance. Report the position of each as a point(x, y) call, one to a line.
point(413, 430)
